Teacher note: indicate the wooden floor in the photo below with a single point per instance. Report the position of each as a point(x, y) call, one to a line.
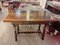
point(7, 37)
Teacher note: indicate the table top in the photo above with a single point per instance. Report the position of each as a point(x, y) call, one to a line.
point(29, 16)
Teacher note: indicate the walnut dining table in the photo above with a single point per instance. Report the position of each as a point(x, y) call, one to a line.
point(26, 18)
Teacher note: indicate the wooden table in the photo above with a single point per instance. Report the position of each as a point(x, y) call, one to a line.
point(34, 17)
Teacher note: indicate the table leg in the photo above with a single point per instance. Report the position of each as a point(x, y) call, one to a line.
point(18, 29)
point(39, 29)
point(15, 33)
point(15, 36)
point(43, 34)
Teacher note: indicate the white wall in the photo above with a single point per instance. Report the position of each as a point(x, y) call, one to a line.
point(43, 3)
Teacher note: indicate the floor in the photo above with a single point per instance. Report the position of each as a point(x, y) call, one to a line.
point(7, 37)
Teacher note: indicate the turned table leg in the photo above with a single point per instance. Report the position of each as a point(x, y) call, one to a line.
point(15, 32)
point(43, 33)
point(39, 29)
point(18, 29)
